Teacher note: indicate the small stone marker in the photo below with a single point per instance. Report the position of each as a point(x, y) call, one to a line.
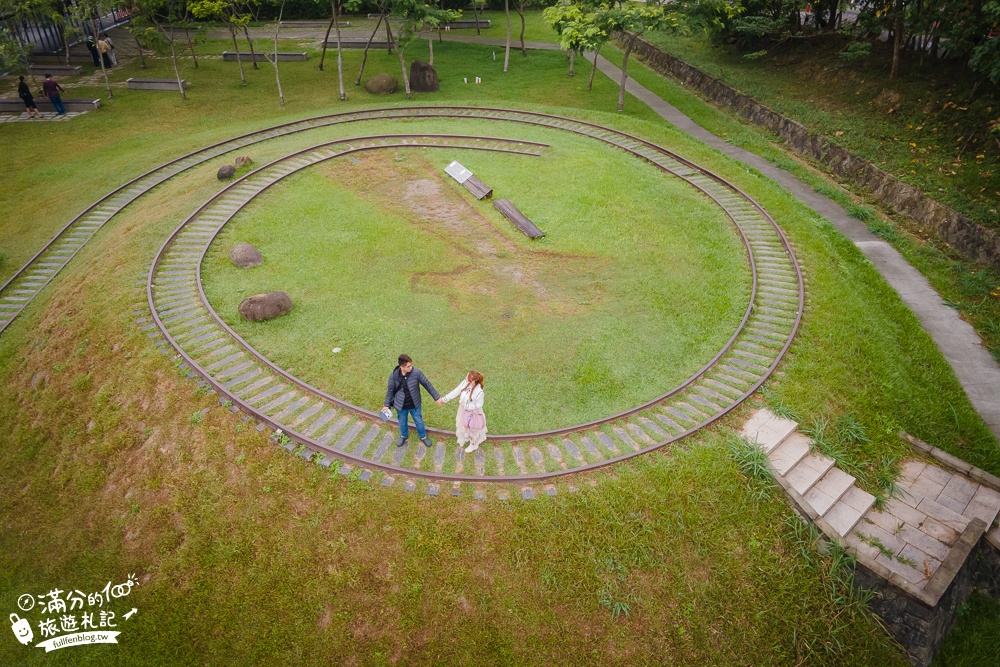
point(261, 307)
point(423, 78)
point(381, 84)
point(243, 160)
point(245, 256)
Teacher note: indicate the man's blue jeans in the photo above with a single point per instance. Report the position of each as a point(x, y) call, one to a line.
point(418, 421)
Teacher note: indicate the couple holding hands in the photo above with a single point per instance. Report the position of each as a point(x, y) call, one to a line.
point(403, 394)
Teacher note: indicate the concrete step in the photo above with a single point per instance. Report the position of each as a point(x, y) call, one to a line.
point(768, 429)
point(847, 511)
point(792, 449)
point(828, 490)
point(808, 471)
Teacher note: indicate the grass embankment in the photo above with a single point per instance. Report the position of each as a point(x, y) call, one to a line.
point(638, 283)
point(247, 556)
point(927, 128)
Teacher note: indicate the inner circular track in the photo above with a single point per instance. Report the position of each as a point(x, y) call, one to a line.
point(333, 429)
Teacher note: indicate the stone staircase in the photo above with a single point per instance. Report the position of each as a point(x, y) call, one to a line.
point(829, 491)
point(934, 542)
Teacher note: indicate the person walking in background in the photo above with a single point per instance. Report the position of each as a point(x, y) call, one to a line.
point(470, 422)
point(403, 393)
point(29, 100)
point(111, 50)
point(105, 49)
point(51, 89)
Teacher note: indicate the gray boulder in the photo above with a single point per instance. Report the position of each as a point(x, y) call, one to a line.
point(243, 160)
point(226, 172)
point(423, 78)
point(261, 307)
point(245, 256)
point(381, 84)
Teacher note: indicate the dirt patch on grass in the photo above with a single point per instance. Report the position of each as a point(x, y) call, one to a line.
point(499, 276)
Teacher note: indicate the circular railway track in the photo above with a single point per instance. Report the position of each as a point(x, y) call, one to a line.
point(324, 428)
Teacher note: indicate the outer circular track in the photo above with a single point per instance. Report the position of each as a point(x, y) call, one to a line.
point(314, 419)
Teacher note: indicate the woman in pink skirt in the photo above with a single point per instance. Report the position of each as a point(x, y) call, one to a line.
point(470, 422)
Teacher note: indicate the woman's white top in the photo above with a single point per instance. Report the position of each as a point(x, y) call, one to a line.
point(462, 392)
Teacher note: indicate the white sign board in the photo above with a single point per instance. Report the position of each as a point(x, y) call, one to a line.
point(458, 172)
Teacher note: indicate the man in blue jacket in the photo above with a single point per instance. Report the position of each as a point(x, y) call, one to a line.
point(403, 394)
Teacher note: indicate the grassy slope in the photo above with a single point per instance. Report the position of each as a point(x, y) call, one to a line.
point(105, 473)
point(971, 288)
point(923, 128)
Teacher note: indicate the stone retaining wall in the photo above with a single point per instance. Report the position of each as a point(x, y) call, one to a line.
point(963, 234)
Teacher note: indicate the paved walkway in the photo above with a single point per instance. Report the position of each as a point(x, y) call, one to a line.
point(975, 367)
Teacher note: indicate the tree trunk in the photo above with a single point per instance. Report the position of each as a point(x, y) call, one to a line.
point(597, 53)
point(104, 71)
point(253, 53)
point(621, 90)
point(475, 13)
point(173, 59)
point(194, 56)
point(239, 59)
point(326, 39)
point(364, 56)
point(572, 62)
point(406, 78)
point(340, 55)
point(520, 12)
point(65, 41)
point(897, 40)
point(277, 79)
point(430, 48)
point(142, 58)
point(506, 51)
point(388, 35)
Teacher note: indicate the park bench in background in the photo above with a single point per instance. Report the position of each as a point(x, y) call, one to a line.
point(55, 70)
point(359, 44)
point(283, 56)
point(311, 24)
point(467, 23)
point(16, 105)
point(154, 84)
point(520, 221)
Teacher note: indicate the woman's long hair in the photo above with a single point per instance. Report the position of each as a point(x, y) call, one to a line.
point(474, 378)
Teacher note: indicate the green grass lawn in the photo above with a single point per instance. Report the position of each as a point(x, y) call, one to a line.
point(638, 283)
point(247, 556)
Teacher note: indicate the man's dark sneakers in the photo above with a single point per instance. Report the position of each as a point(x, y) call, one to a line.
point(401, 441)
point(427, 442)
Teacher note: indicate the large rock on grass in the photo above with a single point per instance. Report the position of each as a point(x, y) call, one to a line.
point(423, 78)
point(245, 256)
point(226, 172)
point(261, 307)
point(381, 84)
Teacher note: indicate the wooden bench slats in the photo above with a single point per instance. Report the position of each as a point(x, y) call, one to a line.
point(511, 212)
point(478, 189)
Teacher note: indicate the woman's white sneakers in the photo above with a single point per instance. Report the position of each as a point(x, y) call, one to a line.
point(471, 448)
